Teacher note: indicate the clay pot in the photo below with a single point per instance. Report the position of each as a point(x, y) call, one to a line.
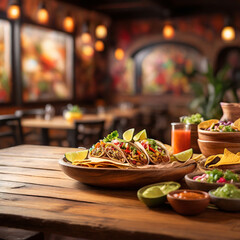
point(231, 111)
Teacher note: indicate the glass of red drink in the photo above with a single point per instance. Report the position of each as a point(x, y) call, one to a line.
point(180, 137)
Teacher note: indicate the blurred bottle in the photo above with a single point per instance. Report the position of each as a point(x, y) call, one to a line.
point(49, 112)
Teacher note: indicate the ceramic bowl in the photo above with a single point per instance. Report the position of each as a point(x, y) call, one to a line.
point(231, 111)
point(226, 204)
point(156, 201)
point(233, 137)
point(203, 186)
point(186, 206)
point(209, 148)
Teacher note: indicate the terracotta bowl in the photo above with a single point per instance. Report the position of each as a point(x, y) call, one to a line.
point(233, 137)
point(231, 111)
point(209, 148)
point(188, 207)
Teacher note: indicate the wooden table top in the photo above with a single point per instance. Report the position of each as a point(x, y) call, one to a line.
point(36, 194)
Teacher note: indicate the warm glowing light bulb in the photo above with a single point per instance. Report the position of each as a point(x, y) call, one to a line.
point(88, 51)
point(168, 31)
point(228, 33)
point(86, 38)
point(13, 12)
point(99, 46)
point(119, 54)
point(68, 24)
point(101, 31)
point(42, 16)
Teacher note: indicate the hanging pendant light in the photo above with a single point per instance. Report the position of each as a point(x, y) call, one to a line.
point(101, 31)
point(88, 50)
point(228, 31)
point(99, 46)
point(86, 36)
point(68, 23)
point(13, 11)
point(168, 31)
point(119, 54)
point(42, 14)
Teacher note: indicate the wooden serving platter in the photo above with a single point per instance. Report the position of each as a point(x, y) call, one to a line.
point(123, 178)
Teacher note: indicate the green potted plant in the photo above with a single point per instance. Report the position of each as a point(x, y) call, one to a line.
point(208, 96)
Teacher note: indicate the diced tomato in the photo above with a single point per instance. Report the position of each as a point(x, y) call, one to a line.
point(153, 150)
point(139, 153)
point(97, 144)
point(221, 180)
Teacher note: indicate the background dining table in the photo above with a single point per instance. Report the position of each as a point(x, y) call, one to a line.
point(60, 123)
point(35, 194)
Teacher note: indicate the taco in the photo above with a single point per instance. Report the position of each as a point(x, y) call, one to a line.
point(98, 150)
point(134, 155)
point(156, 150)
point(115, 153)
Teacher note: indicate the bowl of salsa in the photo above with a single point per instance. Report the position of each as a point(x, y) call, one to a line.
point(188, 202)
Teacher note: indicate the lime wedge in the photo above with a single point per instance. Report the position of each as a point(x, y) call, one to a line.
point(79, 155)
point(184, 156)
point(128, 135)
point(140, 136)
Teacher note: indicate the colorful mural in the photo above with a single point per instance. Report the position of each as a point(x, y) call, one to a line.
point(5, 62)
point(47, 61)
point(167, 68)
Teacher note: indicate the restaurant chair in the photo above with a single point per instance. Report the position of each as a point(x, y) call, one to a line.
point(11, 131)
point(120, 124)
point(86, 133)
point(31, 135)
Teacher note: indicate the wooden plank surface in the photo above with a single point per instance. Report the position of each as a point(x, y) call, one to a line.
point(35, 194)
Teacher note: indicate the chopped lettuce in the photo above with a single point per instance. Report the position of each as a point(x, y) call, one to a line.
point(113, 135)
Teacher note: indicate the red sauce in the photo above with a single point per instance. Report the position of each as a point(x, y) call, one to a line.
point(189, 195)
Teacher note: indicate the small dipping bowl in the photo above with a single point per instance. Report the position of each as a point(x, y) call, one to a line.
point(159, 193)
point(189, 206)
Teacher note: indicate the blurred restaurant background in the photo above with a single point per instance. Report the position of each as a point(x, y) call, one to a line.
point(130, 63)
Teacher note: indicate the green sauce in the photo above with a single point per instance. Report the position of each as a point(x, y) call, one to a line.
point(227, 191)
point(158, 191)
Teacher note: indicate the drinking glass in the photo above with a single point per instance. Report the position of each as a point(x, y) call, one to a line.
point(180, 137)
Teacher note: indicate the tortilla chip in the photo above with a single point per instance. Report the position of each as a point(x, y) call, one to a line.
point(228, 158)
point(206, 124)
point(236, 124)
point(211, 160)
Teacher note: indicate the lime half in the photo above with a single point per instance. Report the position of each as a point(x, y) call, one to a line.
point(128, 135)
point(155, 194)
point(140, 136)
point(184, 156)
point(79, 155)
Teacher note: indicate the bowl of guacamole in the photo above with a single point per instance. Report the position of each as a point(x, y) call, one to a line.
point(226, 198)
